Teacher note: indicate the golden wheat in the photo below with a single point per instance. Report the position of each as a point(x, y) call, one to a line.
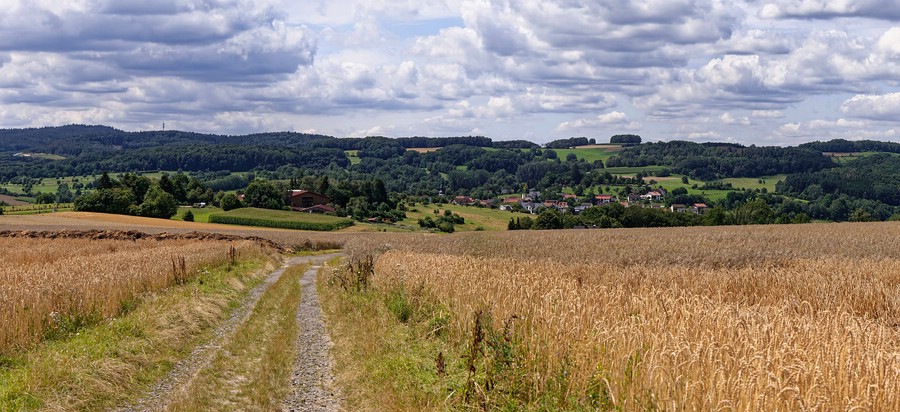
point(46, 282)
point(752, 318)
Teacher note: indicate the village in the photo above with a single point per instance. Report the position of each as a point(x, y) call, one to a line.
point(533, 202)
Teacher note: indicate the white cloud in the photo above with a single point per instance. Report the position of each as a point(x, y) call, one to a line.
point(767, 114)
point(716, 69)
point(612, 121)
point(729, 119)
point(882, 107)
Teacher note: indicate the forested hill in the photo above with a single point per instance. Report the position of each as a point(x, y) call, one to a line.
point(74, 140)
point(709, 161)
point(80, 149)
point(856, 146)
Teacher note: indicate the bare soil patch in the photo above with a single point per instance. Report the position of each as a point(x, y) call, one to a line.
point(12, 201)
point(133, 235)
point(138, 221)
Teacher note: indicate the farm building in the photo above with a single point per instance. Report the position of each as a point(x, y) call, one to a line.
point(304, 199)
point(322, 209)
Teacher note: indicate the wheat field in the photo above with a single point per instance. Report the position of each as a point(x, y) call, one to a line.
point(47, 284)
point(751, 318)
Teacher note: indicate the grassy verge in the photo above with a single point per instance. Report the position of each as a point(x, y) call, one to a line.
point(113, 363)
point(37, 209)
point(252, 370)
point(280, 219)
point(393, 352)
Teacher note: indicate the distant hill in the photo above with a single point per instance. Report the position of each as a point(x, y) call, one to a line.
point(855, 146)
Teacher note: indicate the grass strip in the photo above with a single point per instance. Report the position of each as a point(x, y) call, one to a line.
point(253, 368)
point(386, 349)
point(113, 363)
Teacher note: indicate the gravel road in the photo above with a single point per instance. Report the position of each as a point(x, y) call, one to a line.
point(312, 386)
point(159, 397)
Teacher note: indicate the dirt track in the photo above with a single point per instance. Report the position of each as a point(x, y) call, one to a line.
point(313, 363)
point(312, 382)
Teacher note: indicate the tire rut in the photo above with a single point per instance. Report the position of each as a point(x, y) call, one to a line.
point(312, 382)
point(159, 397)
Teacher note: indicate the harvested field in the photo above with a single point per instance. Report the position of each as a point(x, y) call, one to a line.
point(297, 240)
point(12, 201)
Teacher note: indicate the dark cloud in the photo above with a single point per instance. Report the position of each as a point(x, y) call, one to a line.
point(40, 30)
point(209, 40)
point(230, 61)
point(829, 9)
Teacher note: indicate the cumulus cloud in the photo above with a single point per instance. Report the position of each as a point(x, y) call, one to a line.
point(755, 41)
point(607, 121)
point(729, 119)
point(767, 114)
point(698, 69)
point(826, 129)
point(190, 38)
point(879, 107)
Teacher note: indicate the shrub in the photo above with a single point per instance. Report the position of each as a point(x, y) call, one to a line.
point(188, 216)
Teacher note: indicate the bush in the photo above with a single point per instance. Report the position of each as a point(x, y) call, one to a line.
point(230, 202)
point(158, 203)
point(446, 227)
point(427, 223)
point(188, 216)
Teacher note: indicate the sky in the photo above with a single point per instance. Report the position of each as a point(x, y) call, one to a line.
point(764, 72)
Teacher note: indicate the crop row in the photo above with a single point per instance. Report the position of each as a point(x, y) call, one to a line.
point(280, 224)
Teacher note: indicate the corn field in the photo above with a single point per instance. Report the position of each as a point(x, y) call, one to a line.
point(48, 284)
point(753, 318)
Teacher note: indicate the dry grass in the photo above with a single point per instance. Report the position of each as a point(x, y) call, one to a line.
point(58, 286)
point(758, 318)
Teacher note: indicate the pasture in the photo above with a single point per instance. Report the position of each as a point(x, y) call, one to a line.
point(765, 182)
point(590, 153)
point(476, 217)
